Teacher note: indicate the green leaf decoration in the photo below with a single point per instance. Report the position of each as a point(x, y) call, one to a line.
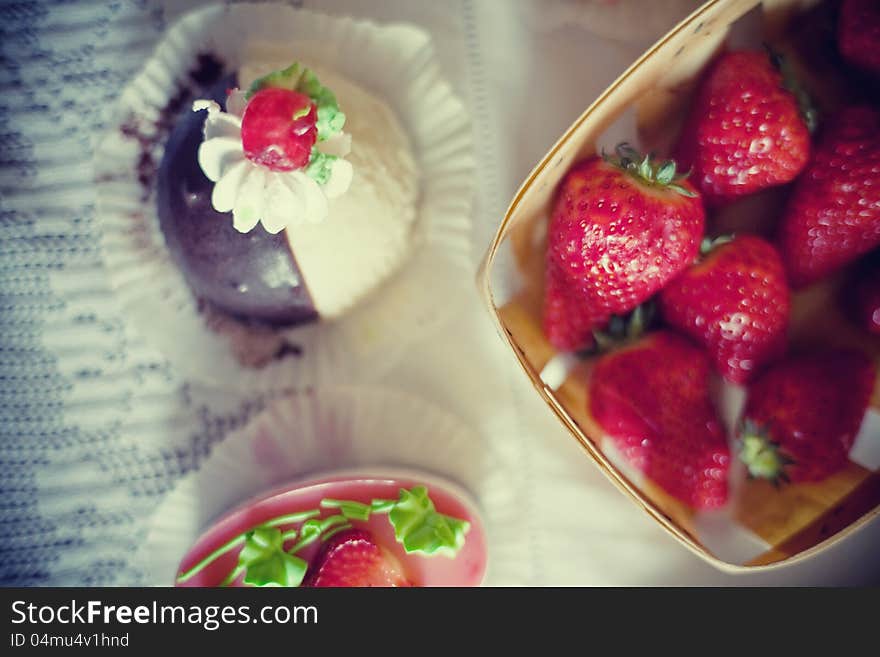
point(320, 166)
point(330, 121)
point(286, 78)
point(312, 530)
point(350, 509)
point(265, 561)
point(330, 118)
point(382, 506)
point(420, 528)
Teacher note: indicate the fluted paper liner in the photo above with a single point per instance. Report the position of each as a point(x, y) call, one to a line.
point(395, 62)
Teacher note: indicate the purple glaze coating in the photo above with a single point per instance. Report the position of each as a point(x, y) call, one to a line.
point(249, 275)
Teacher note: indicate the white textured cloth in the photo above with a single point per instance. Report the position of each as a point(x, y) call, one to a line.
point(95, 427)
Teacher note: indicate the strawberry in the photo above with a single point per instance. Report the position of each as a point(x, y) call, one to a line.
point(735, 302)
point(652, 399)
point(745, 131)
point(833, 216)
point(621, 229)
point(864, 301)
point(568, 323)
point(352, 558)
point(858, 34)
point(279, 129)
point(802, 415)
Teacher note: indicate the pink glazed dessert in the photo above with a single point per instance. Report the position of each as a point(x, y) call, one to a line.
point(345, 531)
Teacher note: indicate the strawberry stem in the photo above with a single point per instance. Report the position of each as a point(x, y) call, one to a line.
point(622, 329)
point(761, 455)
point(710, 243)
point(644, 169)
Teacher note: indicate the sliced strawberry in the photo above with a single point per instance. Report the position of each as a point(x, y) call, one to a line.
point(353, 559)
point(278, 129)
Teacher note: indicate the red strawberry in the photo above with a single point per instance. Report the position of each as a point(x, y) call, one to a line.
point(278, 129)
point(620, 230)
point(858, 33)
point(652, 399)
point(745, 131)
point(865, 295)
point(567, 322)
point(802, 415)
point(352, 558)
point(736, 303)
point(833, 216)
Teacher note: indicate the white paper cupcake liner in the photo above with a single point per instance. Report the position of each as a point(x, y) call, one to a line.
point(311, 434)
point(397, 63)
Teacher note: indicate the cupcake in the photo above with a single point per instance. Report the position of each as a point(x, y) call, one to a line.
point(281, 187)
point(345, 531)
point(285, 197)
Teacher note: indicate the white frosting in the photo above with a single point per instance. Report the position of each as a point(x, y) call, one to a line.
point(368, 232)
point(254, 193)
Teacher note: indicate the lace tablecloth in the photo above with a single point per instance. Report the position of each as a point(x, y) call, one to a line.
point(95, 427)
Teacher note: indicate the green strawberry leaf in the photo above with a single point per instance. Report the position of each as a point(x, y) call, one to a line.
point(666, 172)
point(420, 528)
point(265, 561)
point(684, 191)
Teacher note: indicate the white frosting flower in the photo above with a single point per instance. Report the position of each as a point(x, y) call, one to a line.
point(254, 193)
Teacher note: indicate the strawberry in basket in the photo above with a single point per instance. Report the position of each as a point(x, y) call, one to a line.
point(746, 132)
point(652, 398)
point(735, 302)
point(622, 228)
point(833, 216)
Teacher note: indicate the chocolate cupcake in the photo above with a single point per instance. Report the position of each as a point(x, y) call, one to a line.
point(283, 187)
point(271, 204)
